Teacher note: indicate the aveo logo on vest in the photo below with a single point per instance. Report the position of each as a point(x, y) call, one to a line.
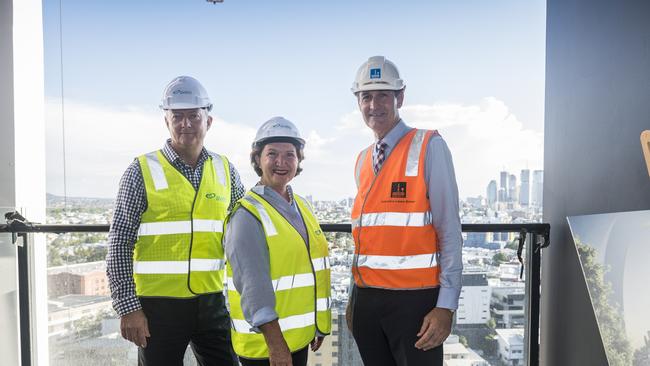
point(398, 190)
point(213, 196)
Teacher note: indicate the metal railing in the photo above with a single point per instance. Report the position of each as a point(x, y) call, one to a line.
point(531, 264)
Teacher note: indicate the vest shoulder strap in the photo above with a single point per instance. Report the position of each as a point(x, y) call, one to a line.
point(219, 162)
point(360, 160)
point(262, 214)
point(154, 165)
point(304, 202)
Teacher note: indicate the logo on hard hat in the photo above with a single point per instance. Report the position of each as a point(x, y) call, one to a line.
point(179, 91)
point(375, 73)
point(280, 125)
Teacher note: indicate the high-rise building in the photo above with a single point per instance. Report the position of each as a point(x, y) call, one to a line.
point(328, 353)
point(524, 188)
point(502, 195)
point(492, 193)
point(512, 188)
point(508, 304)
point(511, 346)
point(503, 181)
point(348, 353)
point(474, 302)
point(537, 188)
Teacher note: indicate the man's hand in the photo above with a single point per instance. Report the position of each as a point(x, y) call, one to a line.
point(435, 328)
point(316, 343)
point(348, 316)
point(279, 354)
point(135, 328)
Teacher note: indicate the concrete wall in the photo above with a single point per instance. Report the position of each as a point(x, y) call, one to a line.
point(597, 104)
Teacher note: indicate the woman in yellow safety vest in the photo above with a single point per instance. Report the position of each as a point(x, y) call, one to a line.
point(278, 272)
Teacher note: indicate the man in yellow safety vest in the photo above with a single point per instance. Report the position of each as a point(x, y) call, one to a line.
point(166, 262)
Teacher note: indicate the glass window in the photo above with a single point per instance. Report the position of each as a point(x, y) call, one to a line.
point(484, 95)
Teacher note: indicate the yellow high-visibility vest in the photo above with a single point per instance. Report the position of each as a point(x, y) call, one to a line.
point(301, 280)
point(179, 252)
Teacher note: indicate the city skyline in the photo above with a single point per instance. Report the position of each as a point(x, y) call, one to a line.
point(83, 326)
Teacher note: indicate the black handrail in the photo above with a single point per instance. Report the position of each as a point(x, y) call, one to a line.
point(27, 227)
point(540, 232)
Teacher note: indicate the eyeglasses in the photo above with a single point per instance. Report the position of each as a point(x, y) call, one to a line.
point(178, 116)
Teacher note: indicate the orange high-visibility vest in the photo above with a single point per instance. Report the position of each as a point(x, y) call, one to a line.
point(396, 245)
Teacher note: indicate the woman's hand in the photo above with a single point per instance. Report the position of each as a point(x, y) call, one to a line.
point(316, 343)
point(279, 354)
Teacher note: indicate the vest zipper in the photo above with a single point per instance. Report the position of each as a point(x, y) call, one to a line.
point(189, 256)
point(196, 193)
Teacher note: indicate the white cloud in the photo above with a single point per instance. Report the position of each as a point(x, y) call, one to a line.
point(102, 141)
point(484, 139)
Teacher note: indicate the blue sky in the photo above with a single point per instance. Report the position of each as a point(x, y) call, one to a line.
point(460, 60)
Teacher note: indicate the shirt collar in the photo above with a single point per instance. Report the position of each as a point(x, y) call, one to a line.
point(171, 154)
point(395, 134)
point(261, 189)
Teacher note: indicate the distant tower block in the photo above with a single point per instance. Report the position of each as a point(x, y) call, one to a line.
point(524, 190)
point(492, 193)
point(537, 188)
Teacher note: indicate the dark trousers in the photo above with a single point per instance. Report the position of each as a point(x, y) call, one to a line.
point(385, 324)
point(298, 358)
point(203, 322)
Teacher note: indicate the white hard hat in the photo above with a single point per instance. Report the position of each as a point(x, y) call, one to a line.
point(278, 129)
point(185, 92)
point(377, 73)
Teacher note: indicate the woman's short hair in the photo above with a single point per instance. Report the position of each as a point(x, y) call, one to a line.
point(257, 152)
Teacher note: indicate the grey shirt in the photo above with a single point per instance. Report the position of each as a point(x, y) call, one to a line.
point(443, 197)
point(249, 258)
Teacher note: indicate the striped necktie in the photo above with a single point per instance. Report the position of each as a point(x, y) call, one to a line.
point(380, 155)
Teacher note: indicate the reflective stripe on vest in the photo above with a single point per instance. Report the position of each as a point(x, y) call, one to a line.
point(294, 281)
point(397, 262)
point(357, 168)
point(156, 169)
point(290, 322)
point(392, 225)
point(180, 227)
point(178, 267)
point(323, 304)
point(300, 277)
point(395, 219)
point(175, 253)
point(412, 162)
point(219, 169)
point(269, 228)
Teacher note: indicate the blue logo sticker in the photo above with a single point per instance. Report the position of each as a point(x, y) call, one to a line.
point(375, 73)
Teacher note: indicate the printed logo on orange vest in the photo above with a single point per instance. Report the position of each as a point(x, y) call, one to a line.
point(398, 190)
